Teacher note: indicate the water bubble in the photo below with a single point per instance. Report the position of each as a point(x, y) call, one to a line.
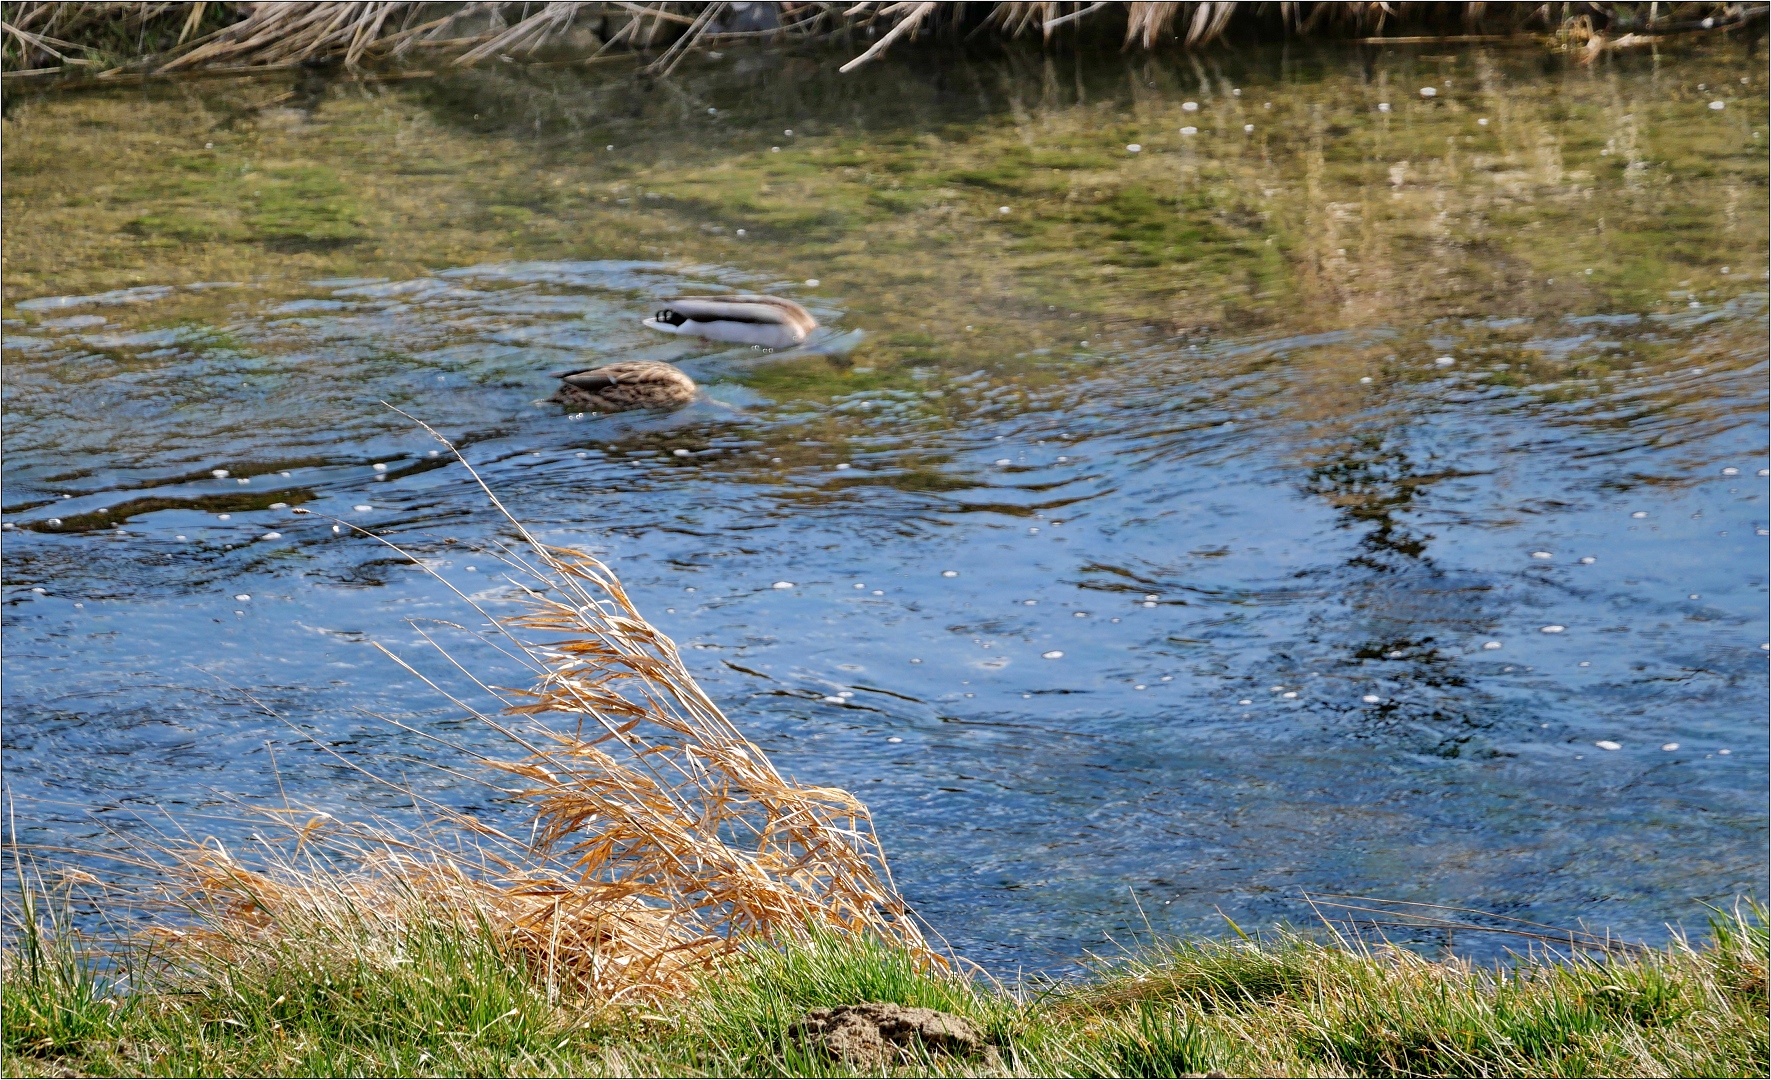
point(1724, 269)
point(1289, 694)
point(287, 473)
point(1607, 744)
point(272, 536)
point(242, 596)
point(783, 585)
point(1149, 603)
point(53, 522)
point(1640, 514)
point(860, 585)
point(472, 569)
point(1718, 105)
point(1168, 678)
point(1669, 747)
point(1764, 472)
point(1428, 91)
point(950, 573)
point(582, 454)
point(1275, 689)
point(915, 660)
point(1730, 472)
point(1553, 628)
point(1248, 128)
point(1694, 596)
point(1445, 361)
point(379, 466)
point(1062, 459)
point(224, 517)
point(40, 591)
point(1365, 378)
point(1491, 644)
point(894, 739)
point(337, 529)
point(1724, 750)
point(834, 700)
point(1189, 106)
point(1133, 148)
point(680, 452)
point(1394, 654)
point(1587, 560)
point(218, 473)
point(842, 464)
point(812, 282)
point(1482, 121)
point(1383, 106)
point(1189, 131)
point(1245, 701)
point(279, 506)
point(611, 146)
point(1055, 654)
point(180, 536)
point(1542, 555)
point(1002, 209)
point(1032, 532)
point(362, 508)
point(1079, 614)
point(1140, 686)
point(1002, 461)
point(1371, 699)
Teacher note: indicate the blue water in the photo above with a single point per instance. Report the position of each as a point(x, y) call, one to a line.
point(1274, 588)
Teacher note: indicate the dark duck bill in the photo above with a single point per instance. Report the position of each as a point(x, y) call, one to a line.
point(628, 384)
point(768, 321)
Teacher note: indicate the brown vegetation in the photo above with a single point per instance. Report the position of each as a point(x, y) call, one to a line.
point(163, 38)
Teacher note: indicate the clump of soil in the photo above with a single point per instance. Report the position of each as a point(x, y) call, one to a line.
point(876, 1032)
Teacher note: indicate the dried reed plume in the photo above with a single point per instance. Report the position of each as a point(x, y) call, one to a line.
point(661, 838)
point(45, 38)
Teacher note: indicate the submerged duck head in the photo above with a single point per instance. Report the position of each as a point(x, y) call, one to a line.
point(768, 321)
point(627, 384)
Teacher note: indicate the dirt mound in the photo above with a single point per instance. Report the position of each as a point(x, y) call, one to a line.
point(876, 1032)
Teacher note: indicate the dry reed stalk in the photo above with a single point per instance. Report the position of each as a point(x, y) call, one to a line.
point(661, 837)
point(280, 34)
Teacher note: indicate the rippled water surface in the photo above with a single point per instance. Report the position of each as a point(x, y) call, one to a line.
point(1298, 502)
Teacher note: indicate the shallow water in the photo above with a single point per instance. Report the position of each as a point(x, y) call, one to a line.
point(1293, 442)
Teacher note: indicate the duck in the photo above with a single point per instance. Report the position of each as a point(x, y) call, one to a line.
point(768, 321)
point(626, 384)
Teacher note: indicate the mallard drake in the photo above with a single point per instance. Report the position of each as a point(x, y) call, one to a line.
point(626, 384)
point(768, 321)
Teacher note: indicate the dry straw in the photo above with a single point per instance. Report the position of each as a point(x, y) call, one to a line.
point(660, 837)
point(47, 37)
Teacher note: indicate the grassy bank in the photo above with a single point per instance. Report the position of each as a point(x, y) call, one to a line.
point(436, 998)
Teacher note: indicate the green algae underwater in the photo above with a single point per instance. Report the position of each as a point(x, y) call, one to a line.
point(989, 213)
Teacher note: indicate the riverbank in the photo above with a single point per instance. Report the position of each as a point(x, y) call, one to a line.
point(112, 40)
point(436, 999)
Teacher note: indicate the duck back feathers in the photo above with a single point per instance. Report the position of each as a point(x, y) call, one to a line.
point(628, 384)
point(768, 321)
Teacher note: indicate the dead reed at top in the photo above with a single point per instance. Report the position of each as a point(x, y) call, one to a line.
point(114, 38)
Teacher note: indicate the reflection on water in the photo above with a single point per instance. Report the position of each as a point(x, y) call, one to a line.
point(1289, 505)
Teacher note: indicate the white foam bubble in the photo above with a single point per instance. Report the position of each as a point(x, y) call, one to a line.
point(362, 508)
point(1371, 699)
point(782, 585)
point(272, 536)
point(1542, 555)
point(379, 466)
point(218, 473)
point(1718, 106)
point(1669, 747)
point(242, 596)
point(1428, 91)
point(1189, 106)
point(950, 573)
point(1553, 628)
point(1133, 148)
point(1491, 644)
point(1189, 131)
point(1607, 744)
point(1055, 654)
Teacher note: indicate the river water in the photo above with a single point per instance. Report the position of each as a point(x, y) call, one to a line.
point(1214, 481)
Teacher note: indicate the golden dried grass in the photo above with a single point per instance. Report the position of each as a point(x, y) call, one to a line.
point(660, 837)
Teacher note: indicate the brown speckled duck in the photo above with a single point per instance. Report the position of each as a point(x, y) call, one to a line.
point(768, 321)
point(627, 384)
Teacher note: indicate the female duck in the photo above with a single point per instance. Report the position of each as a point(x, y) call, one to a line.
point(768, 321)
point(628, 384)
